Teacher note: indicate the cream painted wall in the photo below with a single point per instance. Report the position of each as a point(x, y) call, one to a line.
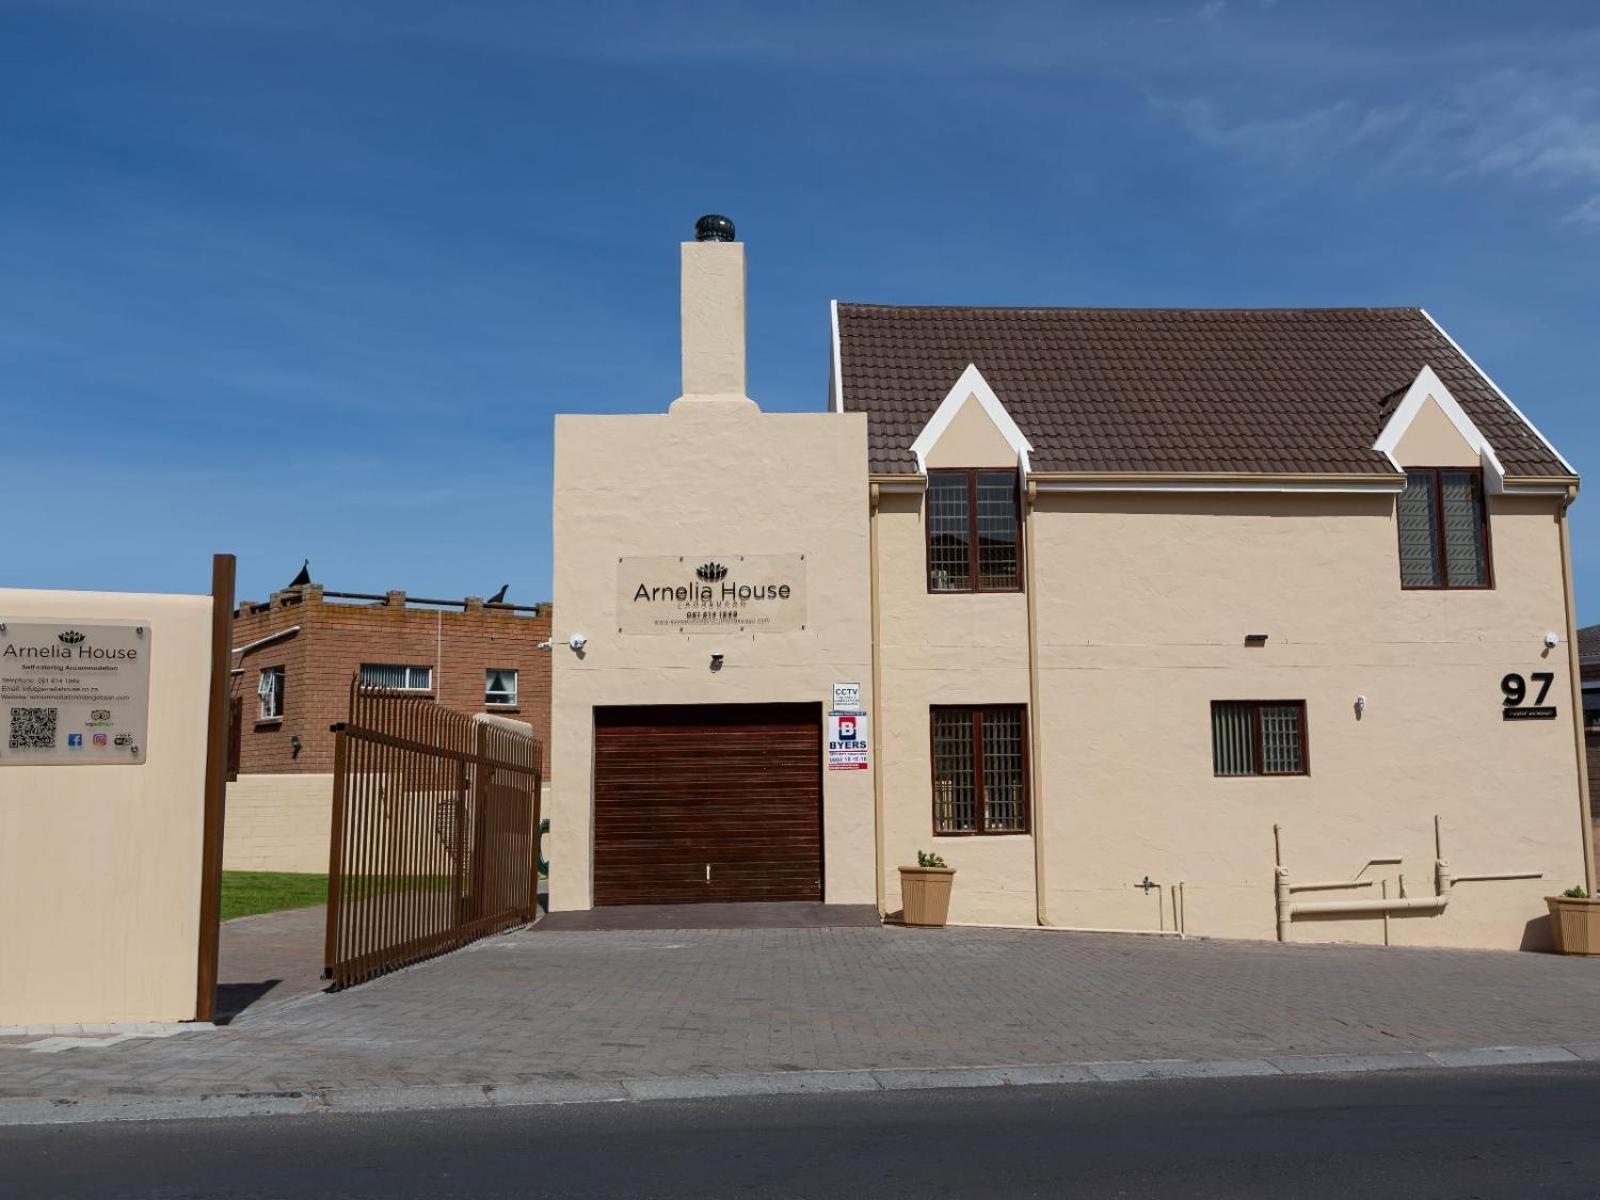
point(707, 478)
point(1433, 441)
point(1135, 647)
point(1144, 602)
point(971, 440)
point(278, 823)
point(100, 865)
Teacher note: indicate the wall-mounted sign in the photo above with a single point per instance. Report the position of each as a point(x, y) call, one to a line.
point(738, 593)
point(1515, 690)
point(847, 697)
point(73, 693)
point(847, 741)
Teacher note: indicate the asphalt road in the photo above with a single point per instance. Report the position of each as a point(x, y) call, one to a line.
point(1512, 1133)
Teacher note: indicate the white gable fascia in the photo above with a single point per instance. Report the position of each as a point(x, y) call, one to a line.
point(1426, 384)
point(838, 371)
point(972, 383)
point(1484, 375)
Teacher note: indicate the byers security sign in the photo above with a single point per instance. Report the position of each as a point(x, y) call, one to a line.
point(847, 741)
point(739, 593)
point(73, 693)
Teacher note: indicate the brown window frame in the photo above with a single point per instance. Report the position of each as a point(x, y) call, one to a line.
point(972, 587)
point(1482, 497)
point(1260, 755)
point(977, 711)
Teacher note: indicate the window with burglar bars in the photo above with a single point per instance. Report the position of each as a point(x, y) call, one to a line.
point(269, 694)
point(389, 675)
point(1258, 737)
point(980, 770)
point(499, 686)
point(1444, 531)
point(974, 522)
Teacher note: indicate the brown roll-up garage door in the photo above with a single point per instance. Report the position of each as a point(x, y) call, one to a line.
point(703, 803)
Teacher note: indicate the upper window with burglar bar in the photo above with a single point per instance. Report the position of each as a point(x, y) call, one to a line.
point(1444, 530)
point(974, 525)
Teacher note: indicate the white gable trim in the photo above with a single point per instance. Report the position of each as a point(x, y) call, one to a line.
point(1548, 445)
point(971, 383)
point(838, 371)
point(1427, 384)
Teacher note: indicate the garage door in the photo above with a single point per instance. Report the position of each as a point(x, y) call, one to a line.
point(708, 803)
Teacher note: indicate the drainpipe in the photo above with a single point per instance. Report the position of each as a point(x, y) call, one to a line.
point(879, 883)
point(1574, 670)
point(1031, 582)
point(1443, 885)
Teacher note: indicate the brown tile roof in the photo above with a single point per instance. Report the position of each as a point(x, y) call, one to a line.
point(1589, 643)
point(1235, 390)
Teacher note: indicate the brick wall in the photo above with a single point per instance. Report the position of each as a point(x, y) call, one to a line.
point(336, 637)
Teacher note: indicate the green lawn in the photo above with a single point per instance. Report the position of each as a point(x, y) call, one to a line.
point(245, 893)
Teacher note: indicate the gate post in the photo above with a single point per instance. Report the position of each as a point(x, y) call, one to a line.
point(330, 939)
point(215, 796)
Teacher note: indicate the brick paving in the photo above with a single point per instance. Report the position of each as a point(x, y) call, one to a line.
point(530, 1007)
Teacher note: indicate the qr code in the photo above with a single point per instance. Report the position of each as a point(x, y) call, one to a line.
point(33, 728)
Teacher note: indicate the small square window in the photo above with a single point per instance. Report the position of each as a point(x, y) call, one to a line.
point(269, 694)
point(500, 686)
point(1258, 737)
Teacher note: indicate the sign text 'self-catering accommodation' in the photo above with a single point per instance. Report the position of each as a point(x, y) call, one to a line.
point(1224, 621)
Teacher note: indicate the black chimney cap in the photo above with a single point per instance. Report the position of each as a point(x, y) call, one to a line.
point(713, 228)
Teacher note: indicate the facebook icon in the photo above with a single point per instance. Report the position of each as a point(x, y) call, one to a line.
point(74, 741)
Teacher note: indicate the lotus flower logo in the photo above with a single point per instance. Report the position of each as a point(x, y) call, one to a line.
point(71, 637)
point(711, 571)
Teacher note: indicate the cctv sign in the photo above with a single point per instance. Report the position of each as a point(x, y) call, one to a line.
point(847, 741)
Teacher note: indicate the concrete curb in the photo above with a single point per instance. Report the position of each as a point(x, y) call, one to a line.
point(40, 1110)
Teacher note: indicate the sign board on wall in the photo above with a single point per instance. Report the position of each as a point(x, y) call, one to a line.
point(1515, 690)
point(741, 593)
point(73, 693)
point(847, 741)
point(847, 697)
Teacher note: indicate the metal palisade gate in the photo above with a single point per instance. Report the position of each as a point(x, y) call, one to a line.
point(433, 840)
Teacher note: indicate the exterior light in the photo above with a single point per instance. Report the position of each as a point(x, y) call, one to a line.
point(716, 662)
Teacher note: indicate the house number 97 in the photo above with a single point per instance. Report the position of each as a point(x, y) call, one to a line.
point(1515, 687)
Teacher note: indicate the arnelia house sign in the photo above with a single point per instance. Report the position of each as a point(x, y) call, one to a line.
point(74, 693)
point(741, 593)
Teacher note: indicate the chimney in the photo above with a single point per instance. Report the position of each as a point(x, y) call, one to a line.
point(713, 316)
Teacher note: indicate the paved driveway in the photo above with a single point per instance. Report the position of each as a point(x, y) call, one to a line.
point(529, 1007)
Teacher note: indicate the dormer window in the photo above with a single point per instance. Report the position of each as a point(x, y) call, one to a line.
point(973, 522)
point(1444, 530)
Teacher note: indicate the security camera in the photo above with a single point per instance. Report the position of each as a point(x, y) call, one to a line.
point(577, 641)
point(1552, 640)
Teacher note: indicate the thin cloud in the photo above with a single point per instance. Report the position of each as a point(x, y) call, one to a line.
point(1512, 127)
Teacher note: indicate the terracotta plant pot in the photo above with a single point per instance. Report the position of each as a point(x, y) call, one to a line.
point(1575, 924)
point(925, 893)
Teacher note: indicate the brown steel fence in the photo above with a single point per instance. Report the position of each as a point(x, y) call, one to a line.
point(433, 841)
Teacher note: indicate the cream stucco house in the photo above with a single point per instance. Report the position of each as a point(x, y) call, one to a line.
point(1236, 623)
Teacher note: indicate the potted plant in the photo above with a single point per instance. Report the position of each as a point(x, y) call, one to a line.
point(925, 890)
point(1575, 921)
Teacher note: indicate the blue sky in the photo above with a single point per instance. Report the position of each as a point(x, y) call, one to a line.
point(310, 279)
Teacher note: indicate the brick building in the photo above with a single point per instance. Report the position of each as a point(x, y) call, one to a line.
point(294, 657)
